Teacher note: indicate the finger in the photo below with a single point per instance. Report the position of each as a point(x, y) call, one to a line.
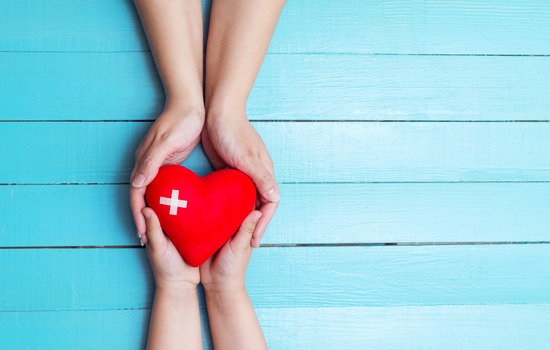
point(137, 203)
point(244, 235)
point(267, 210)
point(265, 181)
point(142, 148)
point(150, 164)
point(268, 162)
point(213, 156)
point(155, 236)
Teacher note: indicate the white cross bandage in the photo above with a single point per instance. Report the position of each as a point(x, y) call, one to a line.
point(174, 202)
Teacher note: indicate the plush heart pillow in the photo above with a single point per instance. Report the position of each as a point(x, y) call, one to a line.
point(200, 214)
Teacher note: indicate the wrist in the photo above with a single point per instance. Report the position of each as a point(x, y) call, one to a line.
point(225, 297)
point(185, 108)
point(178, 298)
point(226, 111)
point(230, 285)
point(175, 288)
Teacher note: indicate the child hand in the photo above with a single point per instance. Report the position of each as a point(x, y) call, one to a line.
point(170, 269)
point(232, 141)
point(225, 270)
point(171, 139)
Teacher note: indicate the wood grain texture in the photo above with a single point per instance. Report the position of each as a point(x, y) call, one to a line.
point(92, 279)
point(409, 327)
point(99, 215)
point(383, 26)
point(435, 63)
point(405, 327)
point(125, 86)
point(60, 152)
point(74, 151)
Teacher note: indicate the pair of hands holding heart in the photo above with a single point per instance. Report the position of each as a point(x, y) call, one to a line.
point(228, 142)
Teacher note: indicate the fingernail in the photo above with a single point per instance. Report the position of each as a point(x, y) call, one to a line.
point(256, 217)
point(271, 195)
point(142, 244)
point(139, 180)
point(146, 214)
point(138, 235)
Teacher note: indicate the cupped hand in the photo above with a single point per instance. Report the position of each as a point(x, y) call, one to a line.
point(170, 269)
point(171, 139)
point(235, 143)
point(226, 269)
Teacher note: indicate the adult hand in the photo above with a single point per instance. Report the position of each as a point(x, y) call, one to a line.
point(171, 271)
point(226, 269)
point(233, 142)
point(171, 139)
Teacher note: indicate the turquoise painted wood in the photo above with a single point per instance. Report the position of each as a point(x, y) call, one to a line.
point(303, 152)
point(390, 122)
point(290, 277)
point(125, 86)
point(308, 213)
point(402, 327)
point(306, 26)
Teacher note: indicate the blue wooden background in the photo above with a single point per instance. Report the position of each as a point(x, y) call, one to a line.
point(411, 142)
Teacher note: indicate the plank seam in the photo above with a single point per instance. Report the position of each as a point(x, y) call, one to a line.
point(312, 53)
point(297, 183)
point(203, 307)
point(290, 121)
point(302, 245)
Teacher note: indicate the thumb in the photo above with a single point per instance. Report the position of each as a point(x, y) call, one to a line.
point(149, 165)
point(155, 236)
point(265, 182)
point(244, 235)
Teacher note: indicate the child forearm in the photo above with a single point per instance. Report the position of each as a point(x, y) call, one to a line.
point(233, 322)
point(175, 320)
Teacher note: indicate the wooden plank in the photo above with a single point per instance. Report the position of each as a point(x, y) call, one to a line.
point(61, 152)
point(65, 25)
point(73, 151)
point(91, 279)
point(125, 86)
point(99, 215)
point(409, 327)
point(79, 86)
point(425, 327)
point(383, 26)
point(105, 329)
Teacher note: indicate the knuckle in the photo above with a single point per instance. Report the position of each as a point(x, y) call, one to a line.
point(250, 229)
point(165, 138)
point(138, 154)
point(148, 162)
point(241, 163)
point(266, 179)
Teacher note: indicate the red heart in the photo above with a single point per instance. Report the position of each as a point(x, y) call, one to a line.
point(200, 214)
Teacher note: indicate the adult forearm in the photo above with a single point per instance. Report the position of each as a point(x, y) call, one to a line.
point(238, 38)
point(175, 321)
point(174, 31)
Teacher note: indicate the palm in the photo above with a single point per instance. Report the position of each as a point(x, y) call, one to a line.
point(236, 143)
point(170, 140)
point(230, 144)
point(181, 134)
point(170, 267)
point(223, 268)
point(218, 265)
